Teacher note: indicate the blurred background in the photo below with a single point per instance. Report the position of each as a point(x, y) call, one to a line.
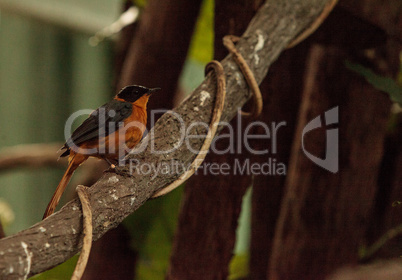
point(48, 70)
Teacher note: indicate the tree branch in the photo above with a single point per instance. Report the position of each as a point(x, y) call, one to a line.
point(30, 155)
point(113, 197)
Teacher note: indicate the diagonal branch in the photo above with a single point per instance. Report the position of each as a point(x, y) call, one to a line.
point(113, 197)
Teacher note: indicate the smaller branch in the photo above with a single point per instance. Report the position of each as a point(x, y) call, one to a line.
point(390, 234)
point(30, 155)
point(128, 17)
point(228, 42)
point(87, 229)
point(216, 66)
point(45, 155)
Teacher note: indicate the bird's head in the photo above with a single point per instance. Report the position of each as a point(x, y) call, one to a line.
point(135, 94)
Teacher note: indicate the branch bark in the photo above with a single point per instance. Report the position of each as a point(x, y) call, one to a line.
point(54, 240)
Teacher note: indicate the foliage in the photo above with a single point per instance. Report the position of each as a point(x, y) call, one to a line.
point(201, 48)
point(140, 3)
point(6, 213)
point(152, 229)
point(238, 267)
point(385, 84)
point(63, 271)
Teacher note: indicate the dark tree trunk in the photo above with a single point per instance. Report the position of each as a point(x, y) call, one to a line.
point(324, 216)
point(122, 46)
point(111, 257)
point(159, 48)
point(281, 93)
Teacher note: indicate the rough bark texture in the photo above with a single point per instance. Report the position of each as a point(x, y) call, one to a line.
point(212, 202)
point(159, 48)
point(113, 197)
point(323, 215)
point(232, 18)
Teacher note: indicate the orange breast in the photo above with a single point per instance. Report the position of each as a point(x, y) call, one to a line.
point(118, 144)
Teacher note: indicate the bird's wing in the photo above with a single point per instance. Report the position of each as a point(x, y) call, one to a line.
point(102, 122)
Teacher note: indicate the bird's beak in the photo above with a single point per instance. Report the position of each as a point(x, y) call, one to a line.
point(152, 90)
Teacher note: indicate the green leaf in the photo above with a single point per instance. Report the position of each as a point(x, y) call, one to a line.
point(396, 203)
point(385, 84)
point(156, 242)
point(140, 3)
point(201, 47)
point(60, 272)
point(238, 267)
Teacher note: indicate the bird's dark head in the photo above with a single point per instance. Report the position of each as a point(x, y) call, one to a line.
point(133, 93)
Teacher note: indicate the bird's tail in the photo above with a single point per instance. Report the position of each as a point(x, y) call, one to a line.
point(61, 187)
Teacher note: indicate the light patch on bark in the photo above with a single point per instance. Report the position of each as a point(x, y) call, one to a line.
point(258, 46)
point(27, 269)
point(132, 201)
point(204, 96)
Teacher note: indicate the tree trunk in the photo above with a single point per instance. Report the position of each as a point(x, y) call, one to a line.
point(159, 48)
point(324, 216)
point(281, 93)
point(111, 257)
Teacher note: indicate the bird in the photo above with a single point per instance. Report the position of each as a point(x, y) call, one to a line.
point(108, 133)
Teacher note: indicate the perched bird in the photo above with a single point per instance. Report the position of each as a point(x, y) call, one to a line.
point(108, 133)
